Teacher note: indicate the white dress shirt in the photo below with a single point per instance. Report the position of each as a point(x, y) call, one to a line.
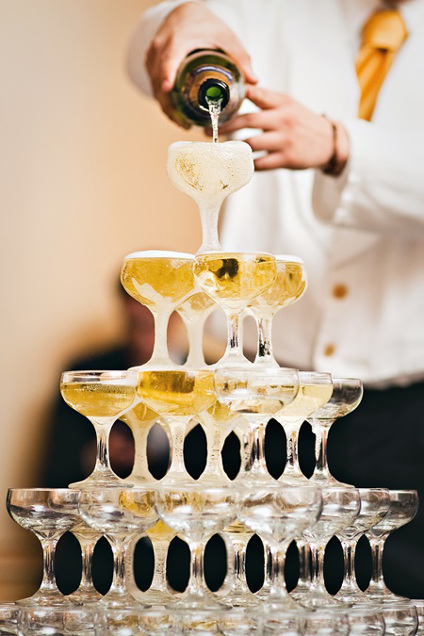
point(361, 235)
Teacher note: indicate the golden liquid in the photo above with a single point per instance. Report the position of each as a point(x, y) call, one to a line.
point(98, 400)
point(310, 398)
point(237, 527)
point(195, 305)
point(288, 286)
point(139, 416)
point(235, 279)
point(154, 281)
point(161, 531)
point(176, 393)
point(141, 504)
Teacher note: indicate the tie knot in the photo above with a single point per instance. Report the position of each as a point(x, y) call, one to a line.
point(384, 30)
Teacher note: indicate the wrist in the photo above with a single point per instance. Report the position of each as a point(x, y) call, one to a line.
point(336, 163)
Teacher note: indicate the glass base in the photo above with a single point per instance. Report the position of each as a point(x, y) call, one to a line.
point(100, 479)
point(204, 602)
point(119, 600)
point(154, 598)
point(318, 598)
point(294, 479)
point(84, 597)
point(326, 480)
point(44, 597)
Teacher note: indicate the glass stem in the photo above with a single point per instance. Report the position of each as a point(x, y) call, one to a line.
point(119, 549)
point(130, 582)
point(237, 565)
point(197, 582)
point(159, 582)
point(214, 443)
point(292, 464)
point(349, 580)
point(160, 353)
point(304, 569)
point(87, 548)
point(195, 328)
point(278, 559)
point(178, 429)
point(140, 469)
point(321, 438)
point(377, 548)
point(102, 459)
point(264, 353)
point(317, 561)
point(209, 219)
point(257, 463)
point(233, 343)
point(48, 582)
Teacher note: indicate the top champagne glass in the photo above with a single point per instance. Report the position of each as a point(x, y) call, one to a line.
point(208, 173)
point(161, 280)
point(289, 285)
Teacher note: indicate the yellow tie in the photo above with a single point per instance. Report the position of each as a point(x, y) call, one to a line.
point(382, 36)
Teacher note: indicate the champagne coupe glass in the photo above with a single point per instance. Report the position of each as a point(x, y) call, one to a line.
point(195, 311)
point(140, 420)
point(315, 390)
point(233, 280)
point(346, 396)
point(403, 507)
point(257, 394)
point(326, 622)
point(102, 396)
point(375, 504)
point(48, 513)
point(87, 538)
point(340, 508)
point(177, 395)
point(208, 173)
point(120, 515)
point(161, 281)
point(197, 512)
point(289, 285)
point(279, 514)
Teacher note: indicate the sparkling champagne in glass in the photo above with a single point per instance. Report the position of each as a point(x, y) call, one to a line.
point(233, 280)
point(208, 173)
point(103, 397)
point(177, 395)
point(289, 285)
point(161, 281)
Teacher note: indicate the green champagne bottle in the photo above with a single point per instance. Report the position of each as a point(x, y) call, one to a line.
point(207, 79)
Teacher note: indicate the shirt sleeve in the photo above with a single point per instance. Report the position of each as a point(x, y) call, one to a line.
point(381, 188)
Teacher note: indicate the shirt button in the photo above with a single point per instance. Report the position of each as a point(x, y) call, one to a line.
point(339, 290)
point(329, 350)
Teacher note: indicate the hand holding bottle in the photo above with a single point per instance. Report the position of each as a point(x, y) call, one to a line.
point(189, 27)
point(292, 135)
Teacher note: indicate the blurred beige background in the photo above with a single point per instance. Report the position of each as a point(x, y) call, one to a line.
point(83, 182)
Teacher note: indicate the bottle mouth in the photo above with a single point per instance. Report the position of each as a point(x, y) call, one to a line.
point(213, 90)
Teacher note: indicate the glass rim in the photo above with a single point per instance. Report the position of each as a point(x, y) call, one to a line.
point(158, 254)
point(114, 374)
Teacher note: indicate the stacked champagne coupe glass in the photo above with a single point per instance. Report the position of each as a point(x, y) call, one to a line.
point(231, 395)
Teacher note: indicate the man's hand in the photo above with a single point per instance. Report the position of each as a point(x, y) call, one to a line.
point(292, 135)
point(188, 27)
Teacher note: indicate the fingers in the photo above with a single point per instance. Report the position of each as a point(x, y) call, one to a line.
point(269, 141)
point(262, 120)
point(239, 54)
point(271, 161)
point(264, 98)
